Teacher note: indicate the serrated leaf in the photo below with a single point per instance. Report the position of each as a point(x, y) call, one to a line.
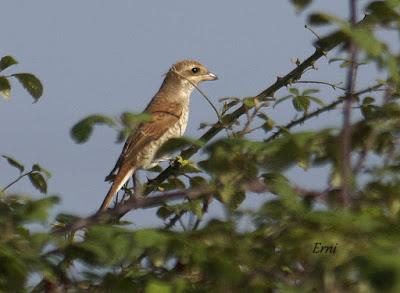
point(5, 87)
point(31, 83)
point(82, 130)
point(38, 168)
point(38, 181)
point(13, 162)
point(6, 62)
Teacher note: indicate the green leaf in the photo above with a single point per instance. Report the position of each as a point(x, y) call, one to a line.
point(301, 4)
point(131, 120)
point(175, 144)
point(82, 130)
point(368, 100)
point(158, 287)
point(5, 87)
point(301, 103)
point(197, 181)
point(316, 100)
point(308, 92)
point(248, 102)
point(164, 212)
point(319, 19)
point(278, 184)
point(38, 168)
point(31, 83)
point(38, 182)
point(6, 62)
point(294, 91)
point(330, 41)
point(366, 40)
point(382, 12)
point(13, 162)
point(187, 166)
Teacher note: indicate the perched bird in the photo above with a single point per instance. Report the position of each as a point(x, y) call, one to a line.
point(169, 110)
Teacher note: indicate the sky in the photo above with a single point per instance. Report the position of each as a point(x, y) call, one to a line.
point(106, 57)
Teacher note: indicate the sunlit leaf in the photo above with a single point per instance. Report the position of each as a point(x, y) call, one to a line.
point(5, 87)
point(38, 168)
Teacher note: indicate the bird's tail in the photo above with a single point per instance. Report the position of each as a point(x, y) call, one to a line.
point(122, 176)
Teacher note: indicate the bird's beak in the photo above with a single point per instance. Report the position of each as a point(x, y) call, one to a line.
point(211, 76)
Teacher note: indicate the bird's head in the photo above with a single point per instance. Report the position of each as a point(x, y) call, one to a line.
point(192, 71)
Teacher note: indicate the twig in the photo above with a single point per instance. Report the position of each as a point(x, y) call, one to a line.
point(250, 118)
point(313, 32)
point(332, 85)
point(16, 180)
point(346, 171)
point(203, 94)
point(317, 112)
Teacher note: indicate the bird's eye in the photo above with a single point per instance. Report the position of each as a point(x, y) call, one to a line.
point(195, 69)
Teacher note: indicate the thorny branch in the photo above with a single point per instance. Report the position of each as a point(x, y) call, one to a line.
point(227, 119)
point(317, 112)
point(140, 202)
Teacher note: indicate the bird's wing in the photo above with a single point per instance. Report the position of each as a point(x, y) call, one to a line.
point(163, 116)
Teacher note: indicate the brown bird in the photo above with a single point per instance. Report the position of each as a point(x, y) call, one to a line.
point(169, 110)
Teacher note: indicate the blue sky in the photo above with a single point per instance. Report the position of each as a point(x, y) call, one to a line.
point(109, 56)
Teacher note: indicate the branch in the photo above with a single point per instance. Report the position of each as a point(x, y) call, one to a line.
point(317, 112)
point(227, 119)
point(231, 117)
point(137, 202)
point(133, 203)
point(346, 172)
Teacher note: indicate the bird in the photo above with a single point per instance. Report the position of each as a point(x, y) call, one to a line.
point(169, 112)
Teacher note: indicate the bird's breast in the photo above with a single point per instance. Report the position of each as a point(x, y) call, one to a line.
point(146, 156)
